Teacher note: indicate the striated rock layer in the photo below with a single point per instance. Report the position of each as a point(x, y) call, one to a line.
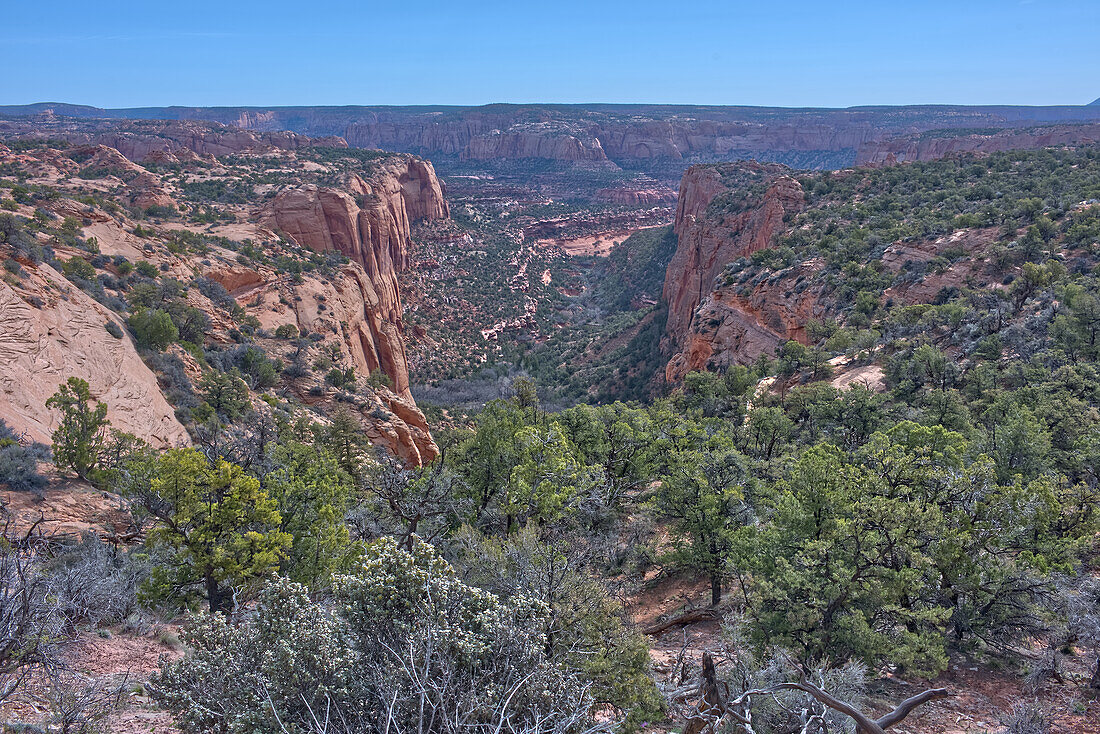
point(163, 141)
point(927, 147)
point(48, 335)
point(647, 135)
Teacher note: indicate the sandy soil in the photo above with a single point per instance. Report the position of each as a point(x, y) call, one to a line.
point(123, 659)
point(598, 245)
point(66, 508)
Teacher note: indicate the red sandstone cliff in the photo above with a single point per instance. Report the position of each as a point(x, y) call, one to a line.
point(704, 320)
point(708, 241)
point(347, 307)
point(368, 221)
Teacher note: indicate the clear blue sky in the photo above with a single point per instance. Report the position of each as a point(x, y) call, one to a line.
point(786, 52)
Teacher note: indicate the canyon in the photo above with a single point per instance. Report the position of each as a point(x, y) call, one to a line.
point(54, 330)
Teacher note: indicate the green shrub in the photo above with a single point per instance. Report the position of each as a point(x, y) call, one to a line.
point(153, 328)
point(78, 267)
point(148, 269)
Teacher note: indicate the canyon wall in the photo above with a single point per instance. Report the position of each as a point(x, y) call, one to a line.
point(710, 321)
point(368, 221)
point(162, 141)
point(634, 135)
point(927, 147)
point(534, 144)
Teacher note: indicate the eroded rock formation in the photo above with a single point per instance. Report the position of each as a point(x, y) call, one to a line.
point(631, 196)
point(349, 307)
point(368, 221)
point(526, 143)
point(710, 241)
point(707, 321)
point(50, 331)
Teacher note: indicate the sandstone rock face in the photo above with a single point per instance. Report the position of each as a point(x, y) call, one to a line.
point(708, 242)
point(42, 346)
point(368, 221)
point(926, 148)
point(349, 306)
point(205, 139)
point(730, 328)
point(406, 434)
point(534, 144)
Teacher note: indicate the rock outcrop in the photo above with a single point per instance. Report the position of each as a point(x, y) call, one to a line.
point(368, 221)
point(352, 312)
point(534, 143)
point(708, 241)
point(732, 328)
point(631, 196)
point(51, 331)
point(706, 321)
point(348, 306)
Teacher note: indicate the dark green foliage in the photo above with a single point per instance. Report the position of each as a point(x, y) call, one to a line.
point(287, 331)
point(81, 437)
point(635, 269)
point(146, 268)
point(78, 267)
point(225, 394)
point(153, 328)
point(250, 361)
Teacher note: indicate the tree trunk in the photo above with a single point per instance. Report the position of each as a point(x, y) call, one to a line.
point(715, 589)
point(217, 597)
point(1095, 682)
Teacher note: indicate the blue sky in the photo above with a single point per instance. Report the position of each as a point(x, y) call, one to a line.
point(787, 53)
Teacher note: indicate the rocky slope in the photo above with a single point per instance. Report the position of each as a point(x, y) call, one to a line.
point(50, 331)
point(161, 141)
point(359, 208)
point(709, 238)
